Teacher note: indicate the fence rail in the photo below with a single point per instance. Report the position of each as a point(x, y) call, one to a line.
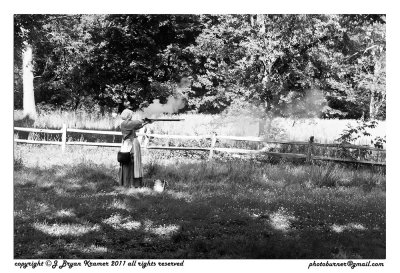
point(37, 130)
point(309, 156)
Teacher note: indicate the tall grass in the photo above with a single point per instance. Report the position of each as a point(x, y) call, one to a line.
point(324, 131)
point(73, 119)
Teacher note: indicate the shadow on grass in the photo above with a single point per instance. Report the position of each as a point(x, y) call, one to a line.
point(80, 212)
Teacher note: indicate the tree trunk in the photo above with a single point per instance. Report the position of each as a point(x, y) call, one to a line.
point(265, 125)
point(261, 22)
point(27, 80)
point(261, 127)
point(372, 106)
point(269, 127)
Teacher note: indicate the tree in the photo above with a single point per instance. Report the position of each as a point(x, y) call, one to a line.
point(370, 70)
point(358, 67)
point(34, 43)
point(24, 35)
point(280, 64)
point(268, 59)
point(27, 75)
point(100, 60)
point(275, 60)
point(136, 48)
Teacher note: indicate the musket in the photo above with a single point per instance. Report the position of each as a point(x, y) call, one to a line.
point(162, 119)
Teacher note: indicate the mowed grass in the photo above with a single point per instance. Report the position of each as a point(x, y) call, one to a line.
point(70, 206)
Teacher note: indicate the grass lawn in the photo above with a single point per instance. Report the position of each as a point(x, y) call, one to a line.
point(70, 206)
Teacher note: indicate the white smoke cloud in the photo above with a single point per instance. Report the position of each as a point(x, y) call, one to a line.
point(311, 105)
point(155, 109)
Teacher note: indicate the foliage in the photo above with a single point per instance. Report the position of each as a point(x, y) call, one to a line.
point(270, 61)
point(352, 133)
point(379, 142)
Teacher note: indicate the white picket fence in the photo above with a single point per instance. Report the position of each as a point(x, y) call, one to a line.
point(145, 137)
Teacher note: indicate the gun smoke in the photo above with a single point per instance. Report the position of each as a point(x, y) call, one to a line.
point(156, 109)
point(311, 105)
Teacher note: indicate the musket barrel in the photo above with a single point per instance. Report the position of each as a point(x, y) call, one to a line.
point(165, 119)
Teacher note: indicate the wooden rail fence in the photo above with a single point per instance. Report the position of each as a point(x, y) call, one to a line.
point(309, 156)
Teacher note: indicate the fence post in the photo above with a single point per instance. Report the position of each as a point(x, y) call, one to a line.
point(310, 150)
point(146, 140)
point(63, 137)
point(213, 141)
point(142, 138)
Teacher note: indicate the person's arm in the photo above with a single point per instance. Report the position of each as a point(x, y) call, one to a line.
point(137, 124)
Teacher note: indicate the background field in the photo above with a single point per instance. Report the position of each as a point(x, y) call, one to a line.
point(324, 130)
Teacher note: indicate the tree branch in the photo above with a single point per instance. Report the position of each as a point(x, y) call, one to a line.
point(360, 51)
